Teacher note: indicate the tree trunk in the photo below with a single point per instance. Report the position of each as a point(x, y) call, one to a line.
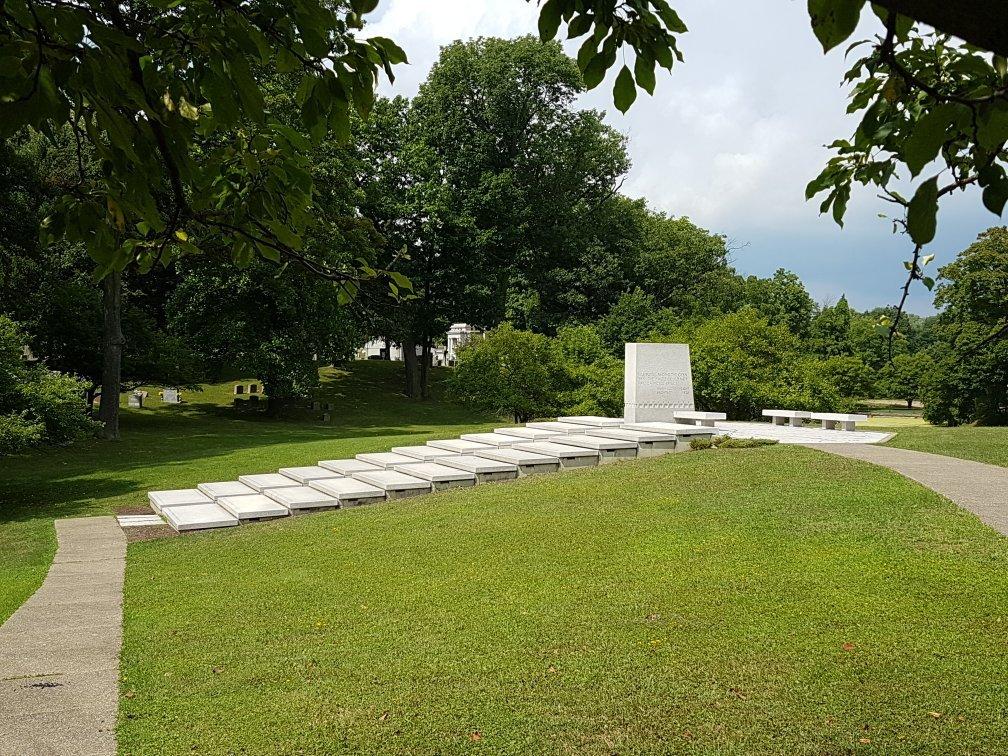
point(425, 365)
point(112, 361)
point(412, 368)
point(909, 403)
point(89, 396)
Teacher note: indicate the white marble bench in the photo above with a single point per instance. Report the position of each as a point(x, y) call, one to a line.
point(846, 421)
point(705, 419)
point(794, 418)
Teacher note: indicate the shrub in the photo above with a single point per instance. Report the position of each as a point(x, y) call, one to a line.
point(743, 365)
point(589, 379)
point(55, 400)
point(17, 434)
point(37, 405)
point(903, 378)
point(509, 372)
point(850, 375)
point(727, 442)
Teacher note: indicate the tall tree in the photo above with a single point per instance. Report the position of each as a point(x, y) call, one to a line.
point(482, 180)
point(190, 155)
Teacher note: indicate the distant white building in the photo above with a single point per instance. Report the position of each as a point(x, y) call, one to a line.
point(458, 335)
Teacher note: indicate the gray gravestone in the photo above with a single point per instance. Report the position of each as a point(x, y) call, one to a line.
point(657, 381)
point(171, 396)
point(136, 401)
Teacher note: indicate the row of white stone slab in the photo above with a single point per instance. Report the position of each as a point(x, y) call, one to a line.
point(474, 458)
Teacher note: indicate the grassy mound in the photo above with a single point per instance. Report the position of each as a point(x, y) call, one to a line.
point(768, 600)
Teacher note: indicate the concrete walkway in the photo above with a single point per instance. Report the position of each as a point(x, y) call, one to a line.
point(59, 653)
point(978, 487)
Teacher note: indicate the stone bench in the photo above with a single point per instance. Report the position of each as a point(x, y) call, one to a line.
point(705, 419)
point(846, 421)
point(795, 418)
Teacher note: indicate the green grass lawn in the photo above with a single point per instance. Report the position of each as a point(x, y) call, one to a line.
point(776, 600)
point(178, 446)
point(966, 442)
point(773, 600)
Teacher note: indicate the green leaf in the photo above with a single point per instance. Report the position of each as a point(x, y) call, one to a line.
point(549, 20)
point(992, 125)
point(586, 53)
point(928, 282)
point(995, 195)
point(645, 74)
point(833, 21)
point(624, 90)
point(402, 281)
point(595, 71)
point(579, 25)
point(929, 134)
point(922, 214)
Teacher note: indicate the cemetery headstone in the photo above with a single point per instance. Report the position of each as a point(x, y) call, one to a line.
point(171, 396)
point(136, 400)
point(657, 381)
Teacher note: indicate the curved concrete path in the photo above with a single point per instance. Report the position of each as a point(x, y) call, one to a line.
point(59, 652)
point(978, 487)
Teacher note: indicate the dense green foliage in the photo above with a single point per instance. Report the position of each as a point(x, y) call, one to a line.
point(970, 379)
point(36, 404)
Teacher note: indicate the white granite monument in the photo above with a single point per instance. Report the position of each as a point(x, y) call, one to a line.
point(657, 381)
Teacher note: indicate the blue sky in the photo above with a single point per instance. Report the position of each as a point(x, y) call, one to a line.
point(730, 138)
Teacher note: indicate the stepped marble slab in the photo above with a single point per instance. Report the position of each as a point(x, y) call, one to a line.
point(528, 463)
point(298, 499)
point(441, 476)
point(608, 449)
point(422, 453)
point(199, 517)
point(225, 488)
point(183, 497)
point(680, 429)
point(139, 521)
point(459, 446)
point(254, 506)
point(347, 466)
point(485, 470)
point(385, 460)
point(349, 492)
point(569, 456)
point(396, 484)
point(496, 440)
point(305, 475)
point(594, 421)
point(528, 434)
point(265, 481)
point(649, 444)
point(567, 429)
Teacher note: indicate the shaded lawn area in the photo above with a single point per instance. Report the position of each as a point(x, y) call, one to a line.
point(776, 600)
point(966, 442)
point(178, 446)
